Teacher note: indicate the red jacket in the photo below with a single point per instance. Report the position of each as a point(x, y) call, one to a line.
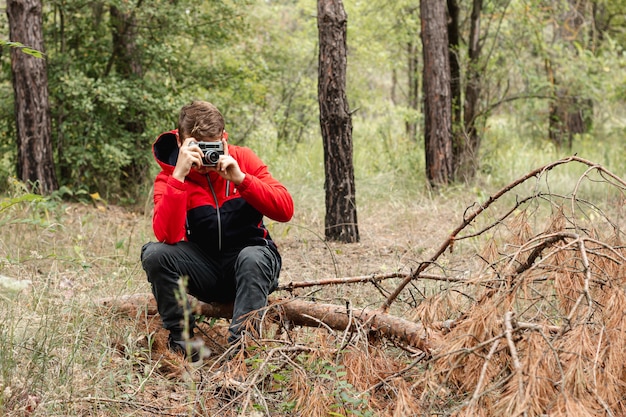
point(211, 211)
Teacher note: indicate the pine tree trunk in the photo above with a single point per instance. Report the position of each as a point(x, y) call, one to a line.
point(413, 88)
point(437, 96)
point(454, 45)
point(569, 113)
point(468, 160)
point(35, 163)
point(336, 124)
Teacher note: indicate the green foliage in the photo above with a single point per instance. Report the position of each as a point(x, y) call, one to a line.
point(22, 47)
point(105, 120)
point(349, 402)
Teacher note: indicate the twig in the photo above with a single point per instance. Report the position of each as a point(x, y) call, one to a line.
point(606, 407)
point(501, 219)
point(536, 252)
point(401, 372)
point(155, 366)
point(508, 333)
point(585, 294)
point(248, 385)
point(363, 278)
point(347, 330)
point(320, 322)
point(538, 327)
point(483, 372)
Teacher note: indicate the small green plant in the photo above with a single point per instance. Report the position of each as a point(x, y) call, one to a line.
point(348, 401)
point(23, 48)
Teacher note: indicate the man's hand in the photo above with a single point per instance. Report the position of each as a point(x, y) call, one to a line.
point(188, 157)
point(228, 168)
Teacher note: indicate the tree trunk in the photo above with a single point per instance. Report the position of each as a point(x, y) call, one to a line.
point(336, 124)
point(299, 313)
point(454, 45)
point(413, 87)
point(35, 162)
point(437, 100)
point(466, 141)
point(468, 158)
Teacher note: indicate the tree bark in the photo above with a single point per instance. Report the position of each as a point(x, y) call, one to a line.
point(35, 161)
point(437, 98)
point(467, 163)
point(299, 313)
point(454, 46)
point(336, 123)
point(413, 88)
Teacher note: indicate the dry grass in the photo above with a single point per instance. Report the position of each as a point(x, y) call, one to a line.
point(530, 322)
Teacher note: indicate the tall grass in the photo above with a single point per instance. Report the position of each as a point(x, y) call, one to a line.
point(56, 259)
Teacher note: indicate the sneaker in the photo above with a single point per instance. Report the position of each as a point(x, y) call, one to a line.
point(192, 349)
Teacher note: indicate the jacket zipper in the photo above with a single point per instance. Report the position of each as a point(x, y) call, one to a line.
point(217, 210)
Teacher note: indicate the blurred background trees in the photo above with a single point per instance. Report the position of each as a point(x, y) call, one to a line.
point(541, 74)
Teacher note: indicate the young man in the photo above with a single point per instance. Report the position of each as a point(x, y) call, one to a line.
point(208, 220)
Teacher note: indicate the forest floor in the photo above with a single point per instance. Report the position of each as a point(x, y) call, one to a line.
point(393, 238)
point(532, 310)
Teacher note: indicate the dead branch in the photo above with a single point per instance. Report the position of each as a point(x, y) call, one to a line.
point(536, 252)
point(483, 372)
point(374, 278)
point(585, 294)
point(298, 312)
point(449, 242)
point(339, 281)
point(153, 410)
point(508, 332)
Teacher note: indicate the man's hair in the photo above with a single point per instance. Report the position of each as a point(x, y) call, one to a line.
point(201, 120)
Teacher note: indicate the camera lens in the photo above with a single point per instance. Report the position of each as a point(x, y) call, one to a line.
point(212, 157)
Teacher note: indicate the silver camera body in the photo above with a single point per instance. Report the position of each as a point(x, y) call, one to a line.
point(211, 152)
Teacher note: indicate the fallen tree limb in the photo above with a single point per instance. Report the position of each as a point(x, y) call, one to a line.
point(364, 279)
point(469, 217)
point(298, 312)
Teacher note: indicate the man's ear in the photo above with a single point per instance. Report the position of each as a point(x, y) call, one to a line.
point(225, 135)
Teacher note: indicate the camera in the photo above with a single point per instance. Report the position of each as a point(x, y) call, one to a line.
point(211, 152)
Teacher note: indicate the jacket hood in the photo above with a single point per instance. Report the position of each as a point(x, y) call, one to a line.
point(165, 150)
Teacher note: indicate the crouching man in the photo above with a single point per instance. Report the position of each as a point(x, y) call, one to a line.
point(209, 202)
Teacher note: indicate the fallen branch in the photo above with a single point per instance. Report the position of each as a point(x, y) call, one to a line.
point(517, 365)
point(364, 279)
point(537, 251)
point(298, 312)
point(468, 219)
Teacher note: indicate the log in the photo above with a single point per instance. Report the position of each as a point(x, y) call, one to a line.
point(300, 313)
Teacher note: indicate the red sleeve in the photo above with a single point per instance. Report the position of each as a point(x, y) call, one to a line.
point(264, 192)
point(170, 209)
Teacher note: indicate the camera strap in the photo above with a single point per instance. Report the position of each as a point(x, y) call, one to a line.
point(217, 209)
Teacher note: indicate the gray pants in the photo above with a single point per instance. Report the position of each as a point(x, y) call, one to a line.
point(245, 277)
